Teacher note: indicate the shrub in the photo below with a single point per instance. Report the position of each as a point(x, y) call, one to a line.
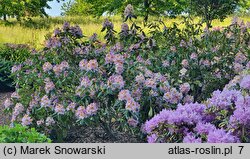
point(206, 59)
point(223, 118)
point(70, 82)
point(124, 82)
point(214, 9)
point(11, 54)
point(21, 134)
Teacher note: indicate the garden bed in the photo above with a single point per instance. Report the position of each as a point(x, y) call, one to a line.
point(78, 134)
point(97, 135)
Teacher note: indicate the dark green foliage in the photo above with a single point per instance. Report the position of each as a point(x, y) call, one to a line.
point(77, 7)
point(23, 8)
point(143, 8)
point(21, 134)
point(11, 54)
point(213, 9)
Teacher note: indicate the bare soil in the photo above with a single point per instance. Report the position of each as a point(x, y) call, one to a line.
point(97, 135)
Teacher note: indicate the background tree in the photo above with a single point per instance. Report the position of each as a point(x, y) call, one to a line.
point(5, 8)
point(143, 8)
point(76, 7)
point(213, 9)
point(23, 8)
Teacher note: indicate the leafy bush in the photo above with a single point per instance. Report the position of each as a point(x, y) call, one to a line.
point(11, 54)
point(206, 59)
point(214, 9)
point(124, 82)
point(223, 118)
point(21, 134)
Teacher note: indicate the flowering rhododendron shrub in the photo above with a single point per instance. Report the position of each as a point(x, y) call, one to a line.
point(205, 59)
point(223, 118)
point(123, 82)
point(76, 81)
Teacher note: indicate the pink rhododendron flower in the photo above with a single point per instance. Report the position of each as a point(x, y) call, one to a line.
point(81, 112)
point(26, 120)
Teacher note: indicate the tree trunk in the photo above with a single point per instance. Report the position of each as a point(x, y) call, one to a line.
point(208, 24)
point(207, 17)
point(4, 17)
point(146, 7)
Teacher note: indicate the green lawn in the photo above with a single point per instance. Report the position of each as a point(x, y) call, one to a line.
point(34, 33)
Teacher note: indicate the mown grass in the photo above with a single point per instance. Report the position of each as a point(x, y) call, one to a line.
point(33, 32)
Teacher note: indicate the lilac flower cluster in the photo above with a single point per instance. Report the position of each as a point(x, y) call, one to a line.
point(26, 120)
point(116, 82)
point(129, 11)
point(107, 24)
point(240, 62)
point(173, 96)
point(47, 67)
point(188, 113)
point(46, 102)
point(53, 42)
point(18, 109)
point(117, 59)
point(96, 73)
point(58, 69)
point(16, 68)
point(195, 120)
point(8, 103)
point(84, 112)
point(91, 65)
point(245, 82)
point(59, 109)
point(131, 104)
point(49, 85)
point(224, 99)
point(76, 31)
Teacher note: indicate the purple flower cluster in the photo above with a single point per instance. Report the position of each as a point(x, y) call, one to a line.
point(116, 82)
point(129, 11)
point(26, 120)
point(245, 82)
point(131, 104)
point(76, 31)
point(53, 42)
point(185, 88)
point(188, 113)
point(8, 103)
point(16, 68)
point(107, 24)
point(196, 121)
point(190, 138)
point(221, 136)
point(173, 96)
point(58, 69)
point(241, 115)
point(91, 65)
point(85, 82)
point(84, 112)
point(46, 102)
point(49, 85)
point(47, 67)
point(18, 109)
point(59, 109)
point(117, 59)
point(224, 99)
